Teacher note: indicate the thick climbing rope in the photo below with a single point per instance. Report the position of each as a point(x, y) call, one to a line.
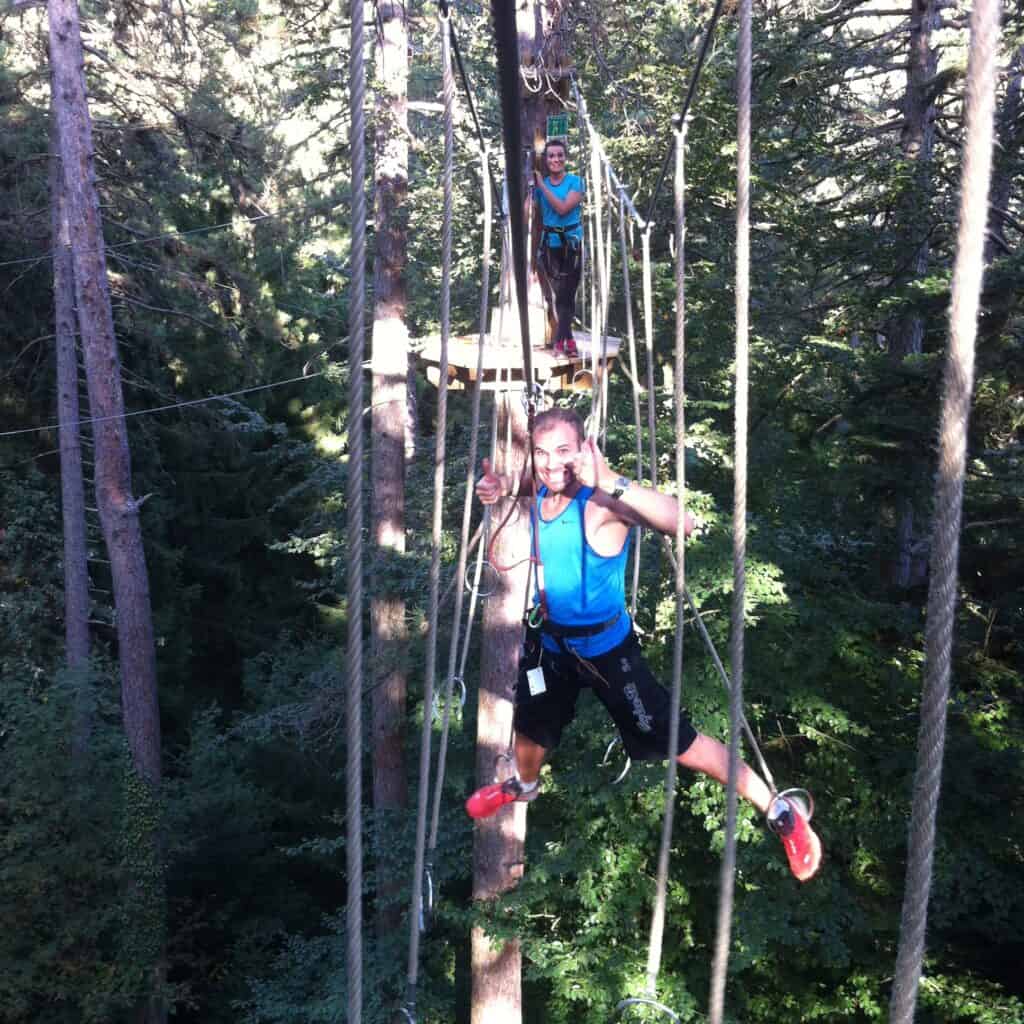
point(739, 512)
point(438, 509)
point(949, 486)
point(354, 525)
point(467, 513)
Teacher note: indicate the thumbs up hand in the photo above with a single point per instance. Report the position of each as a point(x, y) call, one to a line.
point(491, 486)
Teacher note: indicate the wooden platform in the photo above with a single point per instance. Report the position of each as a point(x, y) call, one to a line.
point(553, 372)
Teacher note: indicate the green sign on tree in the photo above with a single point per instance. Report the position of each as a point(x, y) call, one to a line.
point(558, 126)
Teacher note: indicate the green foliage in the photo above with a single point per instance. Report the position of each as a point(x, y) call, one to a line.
point(236, 115)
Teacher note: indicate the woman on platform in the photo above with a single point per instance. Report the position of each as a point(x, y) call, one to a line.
point(558, 241)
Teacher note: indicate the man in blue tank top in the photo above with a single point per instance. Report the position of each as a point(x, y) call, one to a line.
point(584, 515)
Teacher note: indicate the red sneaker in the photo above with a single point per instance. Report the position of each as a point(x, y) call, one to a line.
point(559, 347)
point(570, 348)
point(489, 800)
point(789, 819)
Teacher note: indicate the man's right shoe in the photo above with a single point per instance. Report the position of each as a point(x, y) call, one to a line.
point(788, 818)
point(489, 800)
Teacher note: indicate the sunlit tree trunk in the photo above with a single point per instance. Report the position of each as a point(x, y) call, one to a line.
point(76, 569)
point(498, 841)
point(390, 362)
point(119, 512)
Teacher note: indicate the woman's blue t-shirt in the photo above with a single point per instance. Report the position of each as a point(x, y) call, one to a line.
point(582, 587)
point(570, 183)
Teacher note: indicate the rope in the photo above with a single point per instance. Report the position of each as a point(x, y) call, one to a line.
point(652, 436)
point(467, 513)
point(658, 920)
point(601, 283)
point(949, 485)
point(739, 515)
point(438, 512)
point(507, 42)
point(354, 522)
point(481, 141)
point(165, 408)
point(310, 208)
point(627, 296)
point(585, 120)
point(684, 113)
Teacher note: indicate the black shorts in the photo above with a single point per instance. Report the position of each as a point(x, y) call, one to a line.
point(622, 681)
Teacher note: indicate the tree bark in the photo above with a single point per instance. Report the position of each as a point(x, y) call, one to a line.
point(906, 332)
point(498, 842)
point(390, 363)
point(119, 511)
point(76, 569)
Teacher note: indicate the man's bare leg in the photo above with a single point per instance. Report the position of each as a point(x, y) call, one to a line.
point(529, 758)
point(708, 756)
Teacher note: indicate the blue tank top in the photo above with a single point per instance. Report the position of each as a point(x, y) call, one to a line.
point(583, 588)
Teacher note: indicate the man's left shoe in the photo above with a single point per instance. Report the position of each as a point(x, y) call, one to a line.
point(489, 800)
point(788, 818)
point(570, 348)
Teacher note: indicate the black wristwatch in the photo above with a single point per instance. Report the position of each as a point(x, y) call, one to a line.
point(622, 484)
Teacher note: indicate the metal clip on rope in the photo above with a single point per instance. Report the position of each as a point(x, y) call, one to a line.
point(533, 396)
point(644, 1001)
point(607, 761)
point(427, 906)
point(479, 592)
point(438, 710)
point(508, 758)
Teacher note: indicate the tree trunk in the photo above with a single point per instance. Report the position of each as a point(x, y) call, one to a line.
point(498, 842)
point(76, 569)
point(119, 511)
point(906, 332)
point(389, 636)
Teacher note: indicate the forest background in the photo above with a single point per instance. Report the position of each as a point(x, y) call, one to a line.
point(223, 164)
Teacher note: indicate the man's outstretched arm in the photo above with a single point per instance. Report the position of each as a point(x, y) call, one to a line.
point(636, 504)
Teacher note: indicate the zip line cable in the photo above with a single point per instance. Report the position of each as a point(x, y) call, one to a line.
point(172, 405)
point(472, 110)
point(684, 113)
point(113, 246)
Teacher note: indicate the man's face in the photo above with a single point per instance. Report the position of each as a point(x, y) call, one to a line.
point(555, 451)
